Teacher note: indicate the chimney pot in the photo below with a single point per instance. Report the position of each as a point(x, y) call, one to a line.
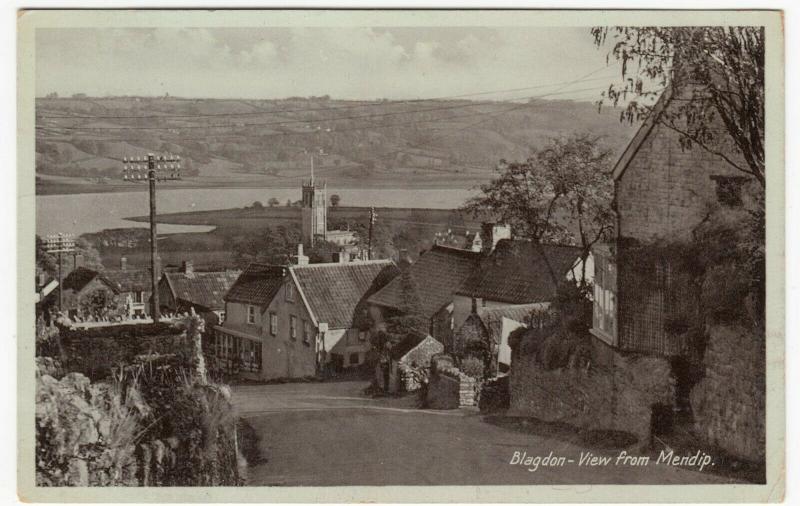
point(187, 267)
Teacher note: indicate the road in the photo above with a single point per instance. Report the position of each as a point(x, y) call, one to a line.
point(326, 434)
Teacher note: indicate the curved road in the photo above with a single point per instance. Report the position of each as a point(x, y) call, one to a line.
point(327, 434)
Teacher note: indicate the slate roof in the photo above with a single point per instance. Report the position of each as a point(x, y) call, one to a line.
point(206, 289)
point(130, 280)
point(517, 272)
point(335, 292)
point(80, 277)
point(438, 273)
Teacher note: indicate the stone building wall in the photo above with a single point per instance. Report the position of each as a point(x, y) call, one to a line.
point(729, 402)
point(450, 389)
point(615, 392)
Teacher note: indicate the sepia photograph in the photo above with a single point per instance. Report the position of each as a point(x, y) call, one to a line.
point(356, 249)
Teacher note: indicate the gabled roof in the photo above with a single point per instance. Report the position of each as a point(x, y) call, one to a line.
point(492, 317)
point(642, 134)
point(438, 273)
point(257, 285)
point(206, 289)
point(80, 277)
point(519, 272)
point(334, 292)
point(130, 280)
point(408, 343)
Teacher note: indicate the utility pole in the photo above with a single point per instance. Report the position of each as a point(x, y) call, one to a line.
point(152, 168)
point(372, 218)
point(60, 243)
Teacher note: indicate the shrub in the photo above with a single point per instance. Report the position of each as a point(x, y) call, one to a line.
point(563, 348)
point(473, 367)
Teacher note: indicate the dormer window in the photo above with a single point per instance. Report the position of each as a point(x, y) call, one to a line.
point(729, 190)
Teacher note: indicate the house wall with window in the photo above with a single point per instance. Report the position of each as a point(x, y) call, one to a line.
point(289, 336)
point(662, 192)
point(282, 331)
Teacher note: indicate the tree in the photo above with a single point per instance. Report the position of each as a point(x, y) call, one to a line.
point(561, 194)
point(273, 202)
point(257, 205)
point(335, 199)
point(715, 77)
point(409, 316)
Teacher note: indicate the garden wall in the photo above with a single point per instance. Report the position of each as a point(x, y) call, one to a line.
point(615, 393)
point(729, 402)
point(450, 389)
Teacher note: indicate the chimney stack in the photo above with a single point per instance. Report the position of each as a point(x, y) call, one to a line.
point(403, 256)
point(492, 233)
point(187, 267)
point(77, 261)
point(301, 258)
point(123, 263)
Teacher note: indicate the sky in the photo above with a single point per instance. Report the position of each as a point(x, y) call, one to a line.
point(344, 63)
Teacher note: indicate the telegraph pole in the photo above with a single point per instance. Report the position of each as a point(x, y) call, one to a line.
point(60, 243)
point(152, 168)
point(372, 217)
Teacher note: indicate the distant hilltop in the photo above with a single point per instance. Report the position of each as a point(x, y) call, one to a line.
point(227, 142)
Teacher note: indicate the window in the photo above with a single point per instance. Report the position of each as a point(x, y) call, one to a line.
point(273, 324)
point(354, 359)
point(138, 297)
point(290, 292)
point(604, 318)
point(251, 314)
point(221, 316)
point(362, 335)
point(306, 332)
point(293, 327)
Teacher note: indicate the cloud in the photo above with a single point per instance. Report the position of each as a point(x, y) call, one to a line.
point(351, 63)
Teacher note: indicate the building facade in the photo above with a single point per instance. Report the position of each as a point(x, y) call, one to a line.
point(662, 192)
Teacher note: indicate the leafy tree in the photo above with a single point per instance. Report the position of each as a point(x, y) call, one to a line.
point(273, 202)
point(409, 316)
point(716, 76)
point(257, 205)
point(335, 199)
point(561, 194)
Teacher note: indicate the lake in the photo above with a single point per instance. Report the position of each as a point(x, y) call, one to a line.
point(91, 212)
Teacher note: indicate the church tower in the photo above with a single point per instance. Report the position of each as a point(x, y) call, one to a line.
point(315, 210)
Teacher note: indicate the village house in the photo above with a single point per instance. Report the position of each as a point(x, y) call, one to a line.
point(297, 320)
point(517, 272)
point(179, 292)
point(88, 294)
point(486, 332)
point(662, 191)
point(133, 287)
point(437, 274)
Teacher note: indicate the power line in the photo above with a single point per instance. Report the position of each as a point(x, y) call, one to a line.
point(281, 111)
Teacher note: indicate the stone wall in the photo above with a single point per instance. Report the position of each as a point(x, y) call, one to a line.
point(729, 402)
point(450, 389)
point(614, 392)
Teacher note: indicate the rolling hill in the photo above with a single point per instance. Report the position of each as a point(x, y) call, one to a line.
point(253, 143)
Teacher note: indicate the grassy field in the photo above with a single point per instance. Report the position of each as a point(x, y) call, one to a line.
point(413, 229)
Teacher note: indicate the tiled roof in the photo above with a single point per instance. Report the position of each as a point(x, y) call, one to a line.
point(438, 273)
point(130, 280)
point(258, 284)
point(80, 277)
point(335, 291)
point(206, 289)
point(408, 343)
point(518, 272)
